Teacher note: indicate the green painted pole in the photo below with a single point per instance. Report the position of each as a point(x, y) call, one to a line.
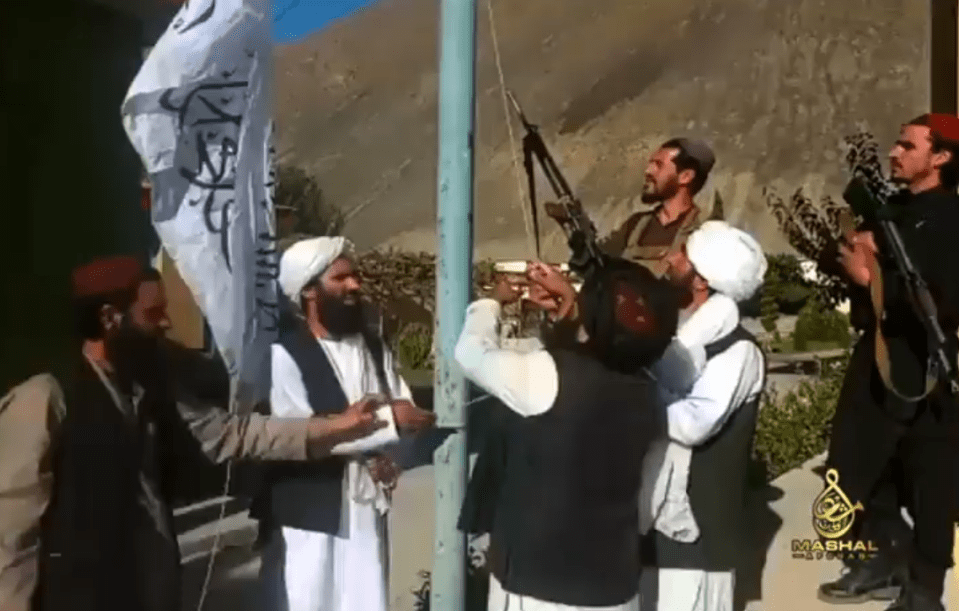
point(453, 284)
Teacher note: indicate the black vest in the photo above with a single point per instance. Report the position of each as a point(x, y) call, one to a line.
point(718, 483)
point(100, 548)
point(280, 501)
point(565, 520)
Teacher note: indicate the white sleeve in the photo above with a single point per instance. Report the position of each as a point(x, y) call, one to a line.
point(287, 391)
point(398, 386)
point(526, 382)
point(716, 394)
point(288, 399)
point(399, 389)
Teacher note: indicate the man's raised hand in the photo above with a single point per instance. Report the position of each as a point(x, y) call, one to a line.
point(543, 299)
point(552, 281)
point(857, 255)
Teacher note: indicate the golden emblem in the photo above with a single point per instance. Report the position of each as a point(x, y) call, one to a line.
point(832, 512)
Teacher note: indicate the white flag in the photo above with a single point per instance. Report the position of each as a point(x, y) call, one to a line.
point(199, 113)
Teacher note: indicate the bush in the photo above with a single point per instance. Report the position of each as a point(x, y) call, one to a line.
point(794, 427)
point(817, 322)
point(784, 284)
point(769, 312)
point(404, 283)
point(413, 347)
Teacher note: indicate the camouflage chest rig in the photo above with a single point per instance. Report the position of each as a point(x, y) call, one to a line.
point(631, 247)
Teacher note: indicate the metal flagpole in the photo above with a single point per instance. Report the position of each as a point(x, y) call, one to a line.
point(453, 284)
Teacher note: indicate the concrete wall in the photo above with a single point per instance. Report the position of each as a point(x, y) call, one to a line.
point(71, 186)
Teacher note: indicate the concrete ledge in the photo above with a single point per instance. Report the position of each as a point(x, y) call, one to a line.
point(799, 357)
point(193, 516)
point(238, 530)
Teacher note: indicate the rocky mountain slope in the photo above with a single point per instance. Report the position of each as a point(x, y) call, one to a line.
point(773, 84)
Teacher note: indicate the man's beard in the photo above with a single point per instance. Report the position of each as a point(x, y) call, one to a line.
point(134, 354)
point(897, 179)
point(684, 286)
point(655, 195)
point(340, 317)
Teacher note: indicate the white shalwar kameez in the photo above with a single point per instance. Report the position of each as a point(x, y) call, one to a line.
point(696, 411)
point(348, 571)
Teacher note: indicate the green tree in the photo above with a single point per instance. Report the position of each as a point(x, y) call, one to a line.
point(769, 312)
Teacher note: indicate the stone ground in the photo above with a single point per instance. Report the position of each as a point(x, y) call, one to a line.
point(770, 578)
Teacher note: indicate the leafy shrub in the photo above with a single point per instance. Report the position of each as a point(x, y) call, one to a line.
point(784, 284)
point(794, 427)
point(816, 322)
point(413, 347)
point(769, 312)
point(404, 283)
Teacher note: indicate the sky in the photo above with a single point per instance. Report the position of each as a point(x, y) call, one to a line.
point(297, 19)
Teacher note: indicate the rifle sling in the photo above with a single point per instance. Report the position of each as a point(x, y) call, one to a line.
point(882, 349)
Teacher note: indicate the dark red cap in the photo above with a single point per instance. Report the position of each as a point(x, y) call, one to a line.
point(942, 125)
point(107, 276)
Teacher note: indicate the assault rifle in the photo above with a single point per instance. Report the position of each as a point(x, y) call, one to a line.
point(568, 211)
point(864, 202)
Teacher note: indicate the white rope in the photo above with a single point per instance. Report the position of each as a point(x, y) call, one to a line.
point(478, 399)
point(214, 548)
point(216, 541)
point(527, 221)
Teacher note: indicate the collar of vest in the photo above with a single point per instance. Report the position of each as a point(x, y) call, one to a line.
point(724, 343)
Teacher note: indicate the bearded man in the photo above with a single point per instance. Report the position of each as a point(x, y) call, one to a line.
point(674, 174)
point(95, 455)
point(695, 503)
point(558, 489)
point(892, 429)
point(326, 522)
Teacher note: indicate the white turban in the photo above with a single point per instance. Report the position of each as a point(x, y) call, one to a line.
point(729, 259)
point(306, 260)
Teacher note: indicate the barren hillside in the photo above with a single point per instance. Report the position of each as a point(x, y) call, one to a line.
point(774, 84)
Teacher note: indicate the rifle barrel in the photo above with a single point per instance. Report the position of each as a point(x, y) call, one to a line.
point(519, 110)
